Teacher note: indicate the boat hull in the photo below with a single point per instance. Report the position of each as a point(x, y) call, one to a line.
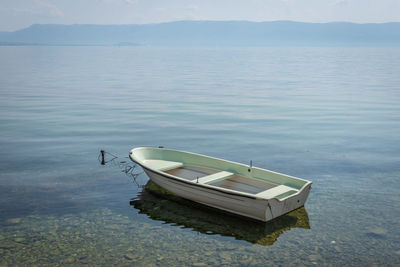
point(256, 208)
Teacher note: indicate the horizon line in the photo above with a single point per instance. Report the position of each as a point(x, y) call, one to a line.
point(177, 21)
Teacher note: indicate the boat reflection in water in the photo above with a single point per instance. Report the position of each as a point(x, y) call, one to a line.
point(161, 205)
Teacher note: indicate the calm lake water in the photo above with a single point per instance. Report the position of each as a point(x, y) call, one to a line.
point(330, 115)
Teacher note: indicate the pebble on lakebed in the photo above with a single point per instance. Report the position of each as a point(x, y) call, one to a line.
point(14, 220)
point(103, 237)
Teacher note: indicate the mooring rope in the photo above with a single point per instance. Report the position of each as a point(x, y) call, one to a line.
point(131, 169)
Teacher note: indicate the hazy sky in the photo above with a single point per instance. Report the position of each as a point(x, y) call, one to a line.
point(17, 14)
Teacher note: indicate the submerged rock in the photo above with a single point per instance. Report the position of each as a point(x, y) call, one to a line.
point(69, 260)
point(338, 249)
point(314, 257)
point(14, 220)
point(20, 239)
point(130, 256)
point(376, 232)
point(7, 245)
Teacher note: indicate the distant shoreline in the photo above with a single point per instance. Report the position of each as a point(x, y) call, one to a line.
point(44, 44)
point(208, 33)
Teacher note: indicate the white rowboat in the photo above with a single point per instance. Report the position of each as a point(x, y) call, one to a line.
point(241, 189)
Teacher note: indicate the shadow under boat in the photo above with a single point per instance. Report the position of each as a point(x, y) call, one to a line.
point(161, 205)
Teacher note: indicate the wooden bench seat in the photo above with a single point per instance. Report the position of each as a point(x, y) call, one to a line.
point(276, 191)
point(162, 165)
point(215, 177)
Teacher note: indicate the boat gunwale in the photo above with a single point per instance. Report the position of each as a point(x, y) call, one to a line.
point(216, 188)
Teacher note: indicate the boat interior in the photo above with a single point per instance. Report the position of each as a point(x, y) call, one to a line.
point(222, 179)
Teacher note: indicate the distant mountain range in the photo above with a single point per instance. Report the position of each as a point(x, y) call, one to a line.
point(210, 33)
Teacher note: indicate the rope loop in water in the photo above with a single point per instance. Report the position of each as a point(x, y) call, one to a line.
point(131, 169)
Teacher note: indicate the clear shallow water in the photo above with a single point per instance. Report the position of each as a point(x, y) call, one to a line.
point(330, 115)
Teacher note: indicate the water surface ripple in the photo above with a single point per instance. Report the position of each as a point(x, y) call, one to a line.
point(330, 115)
